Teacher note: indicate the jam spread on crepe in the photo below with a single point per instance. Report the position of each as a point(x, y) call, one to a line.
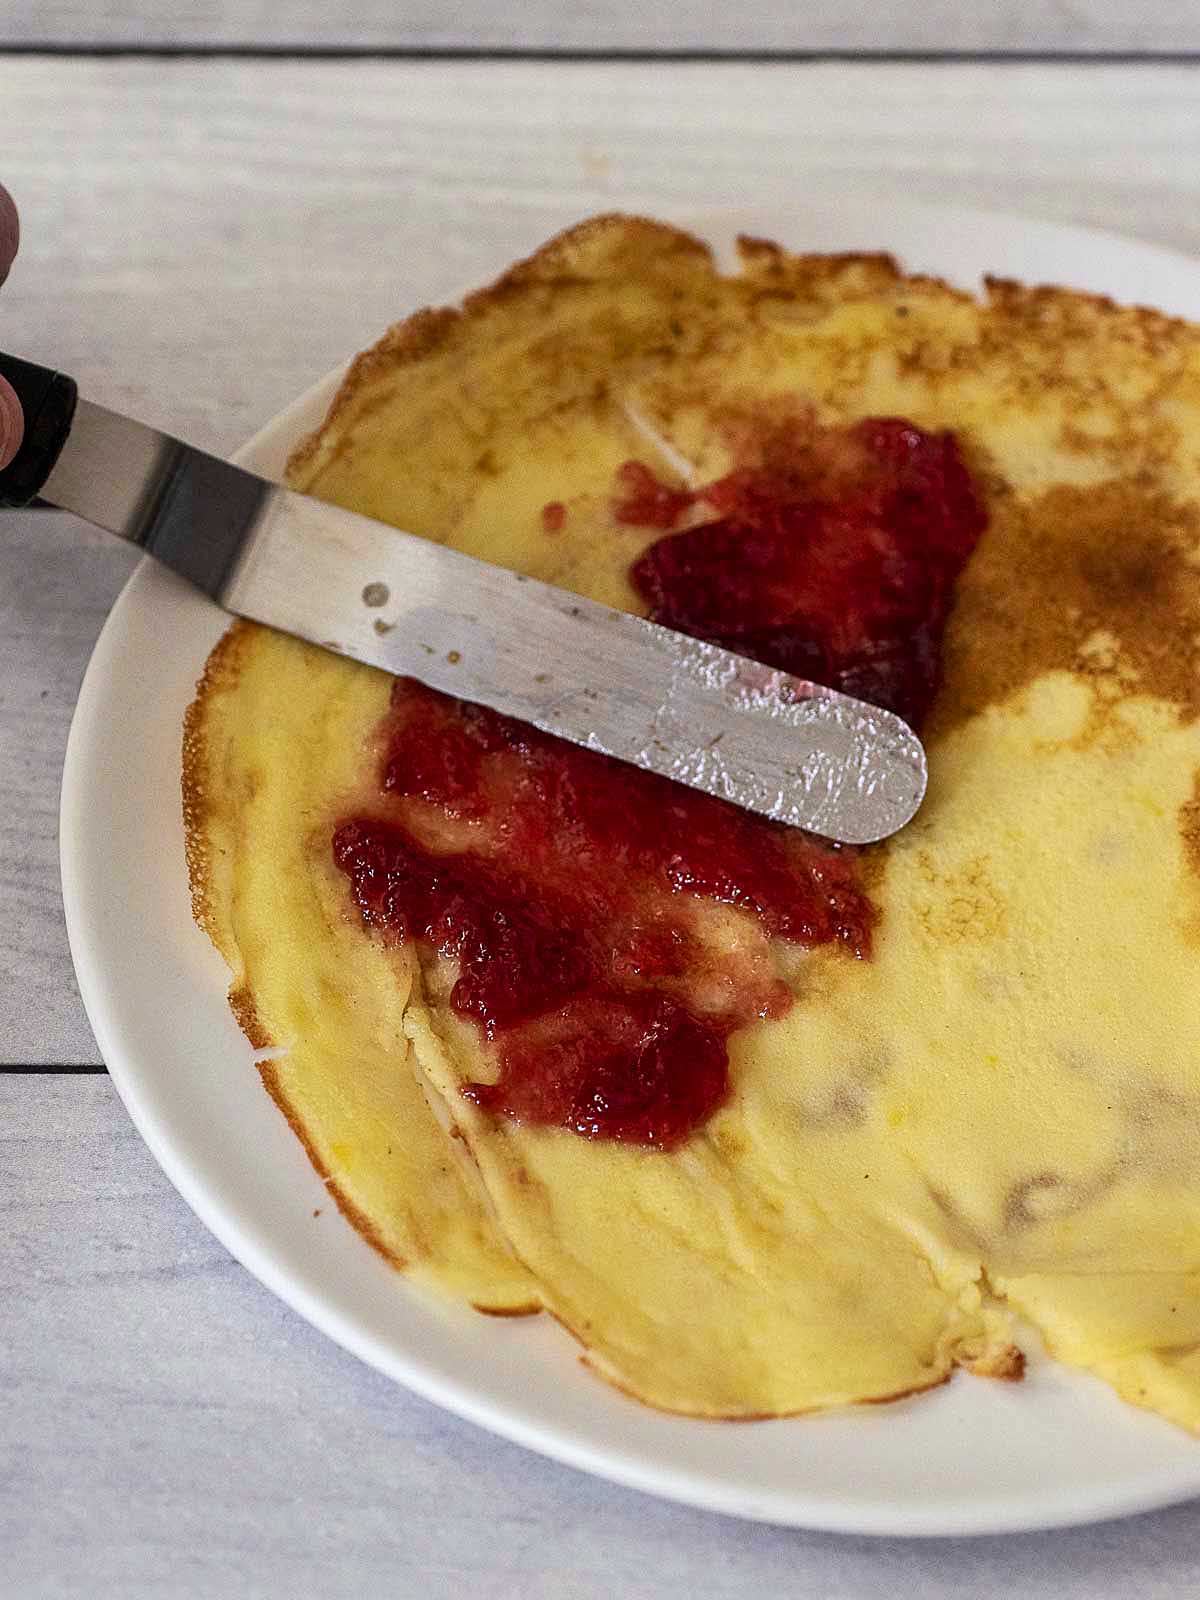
point(834, 557)
point(581, 899)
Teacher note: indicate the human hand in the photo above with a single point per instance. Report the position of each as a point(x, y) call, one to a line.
point(12, 423)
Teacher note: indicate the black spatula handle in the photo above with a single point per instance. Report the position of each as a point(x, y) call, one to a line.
point(48, 403)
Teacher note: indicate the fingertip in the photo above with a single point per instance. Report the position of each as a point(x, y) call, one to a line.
point(10, 231)
point(12, 424)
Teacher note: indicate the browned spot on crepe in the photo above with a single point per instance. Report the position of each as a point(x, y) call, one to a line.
point(1053, 572)
point(1189, 827)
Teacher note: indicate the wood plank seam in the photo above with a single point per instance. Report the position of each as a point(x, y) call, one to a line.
point(300, 52)
point(82, 1069)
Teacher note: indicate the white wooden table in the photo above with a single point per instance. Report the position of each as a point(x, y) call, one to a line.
point(207, 231)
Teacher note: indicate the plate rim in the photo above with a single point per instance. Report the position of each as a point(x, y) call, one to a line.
point(1038, 1510)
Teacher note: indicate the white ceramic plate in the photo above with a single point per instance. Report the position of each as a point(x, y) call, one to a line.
point(973, 1457)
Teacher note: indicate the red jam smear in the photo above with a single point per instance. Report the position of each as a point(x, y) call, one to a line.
point(574, 914)
point(578, 898)
point(644, 502)
point(843, 573)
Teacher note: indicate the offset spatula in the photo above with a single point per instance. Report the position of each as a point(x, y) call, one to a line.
point(778, 745)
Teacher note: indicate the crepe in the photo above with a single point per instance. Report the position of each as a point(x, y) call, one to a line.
point(984, 1107)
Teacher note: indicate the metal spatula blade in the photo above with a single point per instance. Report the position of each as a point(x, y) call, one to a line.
point(780, 746)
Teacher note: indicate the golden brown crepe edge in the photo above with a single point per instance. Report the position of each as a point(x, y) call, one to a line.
point(432, 329)
point(220, 674)
point(764, 263)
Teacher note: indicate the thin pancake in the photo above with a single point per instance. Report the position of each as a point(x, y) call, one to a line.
point(999, 1105)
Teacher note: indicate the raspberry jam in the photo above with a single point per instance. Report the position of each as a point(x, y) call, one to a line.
point(585, 904)
point(844, 574)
